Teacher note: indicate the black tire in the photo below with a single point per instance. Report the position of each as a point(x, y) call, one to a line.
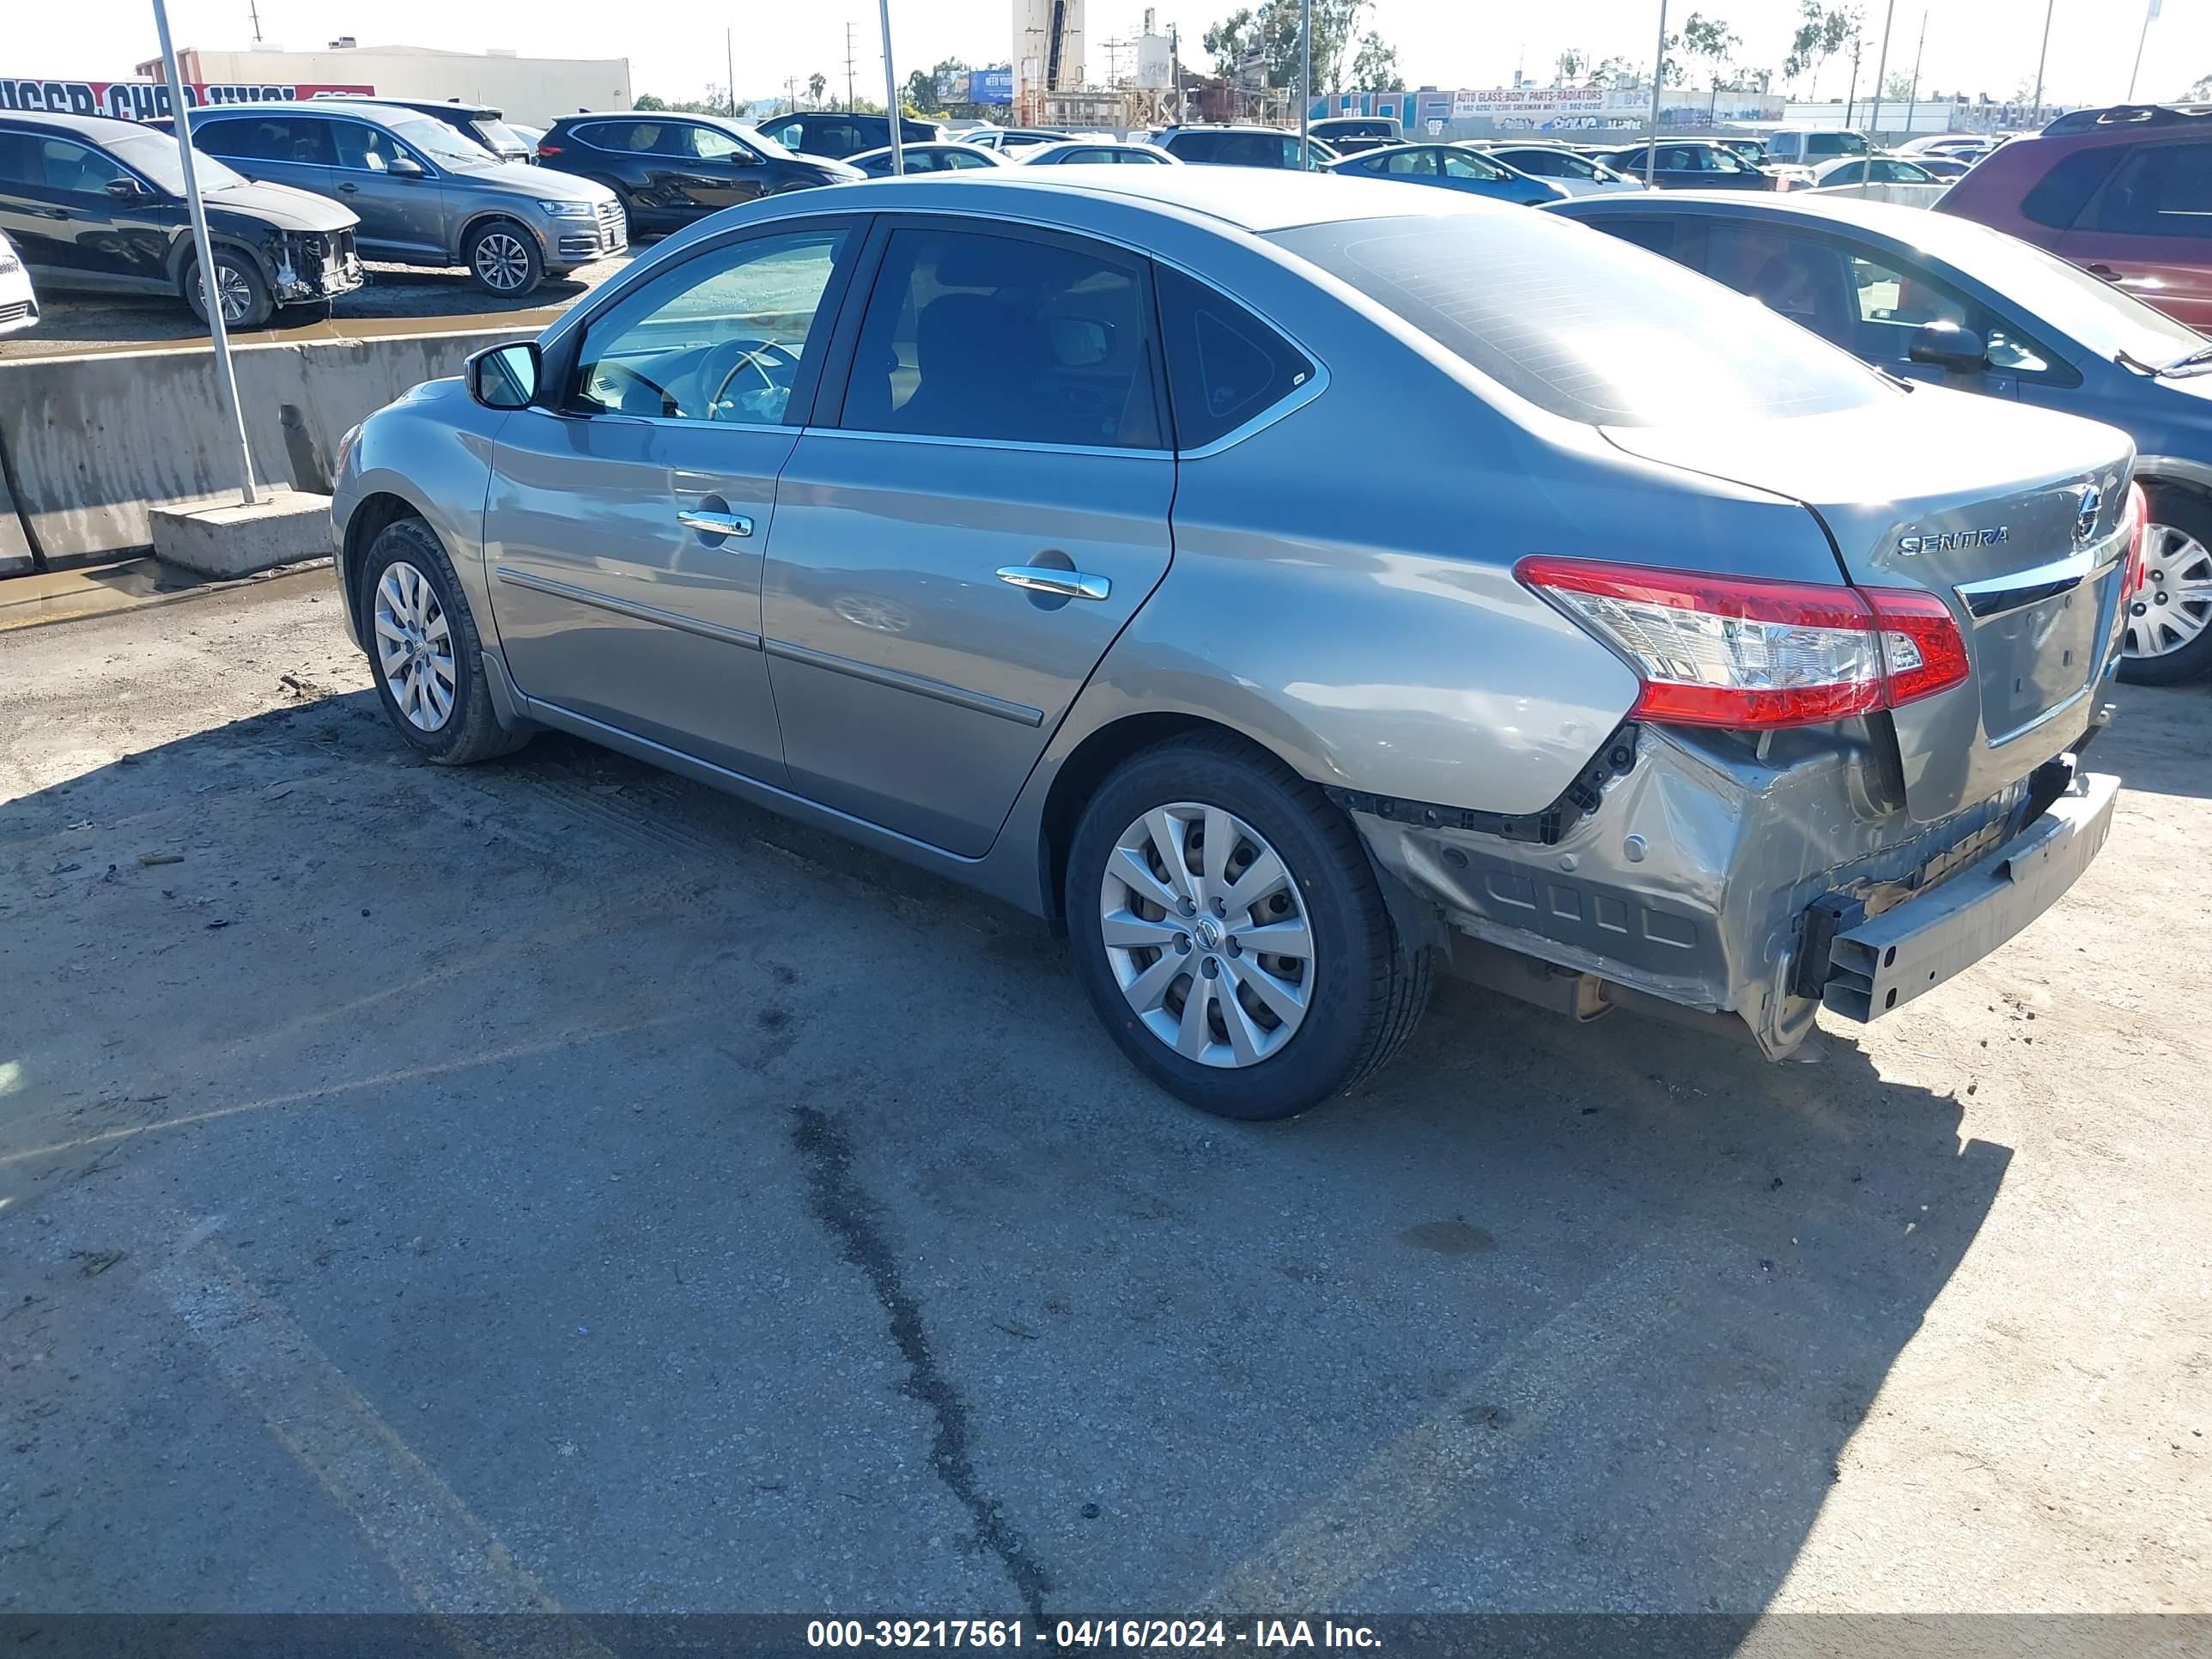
point(231, 267)
point(470, 731)
point(1368, 988)
point(509, 239)
point(2191, 514)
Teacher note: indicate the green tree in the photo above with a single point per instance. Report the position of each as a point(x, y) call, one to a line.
point(1822, 31)
point(817, 84)
point(646, 100)
point(1616, 72)
point(1272, 32)
point(1897, 88)
point(1710, 39)
point(1375, 67)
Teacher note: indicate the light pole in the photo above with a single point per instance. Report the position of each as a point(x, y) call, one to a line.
point(1913, 98)
point(2150, 12)
point(2050, 6)
point(1882, 67)
point(1305, 85)
point(211, 283)
point(1658, 75)
point(891, 94)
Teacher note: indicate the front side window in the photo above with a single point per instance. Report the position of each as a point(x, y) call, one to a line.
point(1896, 298)
point(364, 149)
point(1680, 158)
point(976, 336)
point(1225, 366)
point(1723, 161)
point(720, 338)
point(2161, 190)
point(708, 145)
point(1457, 166)
point(64, 165)
point(1409, 163)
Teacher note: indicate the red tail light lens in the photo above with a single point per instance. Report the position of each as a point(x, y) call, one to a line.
point(549, 149)
point(1754, 655)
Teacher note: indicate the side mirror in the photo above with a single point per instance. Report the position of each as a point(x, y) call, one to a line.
point(1946, 345)
point(504, 376)
point(125, 190)
point(404, 167)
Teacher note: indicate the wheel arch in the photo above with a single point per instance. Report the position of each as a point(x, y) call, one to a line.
point(184, 251)
point(2191, 477)
point(482, 216)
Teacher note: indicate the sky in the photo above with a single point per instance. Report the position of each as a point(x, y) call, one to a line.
point(676, 46)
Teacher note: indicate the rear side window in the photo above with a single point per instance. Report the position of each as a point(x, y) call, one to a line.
point(970, 334)
point(1646, 230)
point(1582, 326)
point(2161, 190)
point(2058, 201)
point(1224, 364)
point(267, 139)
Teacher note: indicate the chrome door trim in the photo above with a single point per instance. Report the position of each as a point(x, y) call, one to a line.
point(1994, 596)
point(1020, 444)
point(1045, 578)
point(897, 680)
point(713, 524)
point(682, 624)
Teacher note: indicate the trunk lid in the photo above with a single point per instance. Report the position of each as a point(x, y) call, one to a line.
point(2010, 514)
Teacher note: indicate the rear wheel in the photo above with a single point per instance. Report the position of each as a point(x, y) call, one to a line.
point(1230, 933)
point(2169, 621)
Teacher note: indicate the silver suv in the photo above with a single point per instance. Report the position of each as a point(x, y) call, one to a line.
point(426, 196)
point(1290, 586)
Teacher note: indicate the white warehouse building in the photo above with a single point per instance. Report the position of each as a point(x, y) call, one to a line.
point(535, 90)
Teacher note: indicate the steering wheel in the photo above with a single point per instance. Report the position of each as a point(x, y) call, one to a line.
point(741, 355)
point(626, 379)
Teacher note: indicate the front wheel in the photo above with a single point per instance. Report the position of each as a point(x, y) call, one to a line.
point(246, 302)
point(1230, 932)
point(503, 257)
point(424, 651)
point(2169, 621)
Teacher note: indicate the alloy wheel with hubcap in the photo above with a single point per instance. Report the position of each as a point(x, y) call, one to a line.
point(501, 262)
point(415, 646)
point(2173, 606)
point(1207, 935)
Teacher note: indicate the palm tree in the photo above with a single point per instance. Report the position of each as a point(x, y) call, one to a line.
point(816, 83)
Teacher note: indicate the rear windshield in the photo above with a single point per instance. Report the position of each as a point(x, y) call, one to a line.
point(1584, 325)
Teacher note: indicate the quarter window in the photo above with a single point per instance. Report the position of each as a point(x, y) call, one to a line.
point(1224, 364)
point(976, 336)
point(2063, 192)
point(723, 337)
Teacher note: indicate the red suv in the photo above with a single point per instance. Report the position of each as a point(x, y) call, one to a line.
point(2125, 193)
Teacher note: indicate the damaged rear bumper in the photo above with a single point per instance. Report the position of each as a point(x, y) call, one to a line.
point(1758, 883)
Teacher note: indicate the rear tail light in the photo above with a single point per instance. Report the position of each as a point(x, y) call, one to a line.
point(1753, 656)
point(2135, 523)
point(549, 149)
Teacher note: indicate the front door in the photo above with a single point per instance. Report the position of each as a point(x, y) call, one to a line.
point(625, 525)
point(956, 548)
point(70, 229)
point(403, 213)
point(715, 170)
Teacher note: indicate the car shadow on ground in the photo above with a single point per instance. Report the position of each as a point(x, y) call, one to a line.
point(1548, 1318)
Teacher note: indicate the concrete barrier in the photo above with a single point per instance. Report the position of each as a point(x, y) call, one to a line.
point(99, 440)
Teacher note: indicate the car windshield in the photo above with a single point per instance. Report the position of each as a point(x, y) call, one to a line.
point(2107, 319)
point(441, 144)
point(498, 135)
point(1586, 326)
point(154, 155)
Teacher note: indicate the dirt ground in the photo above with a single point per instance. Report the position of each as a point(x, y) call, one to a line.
point(554, 1185)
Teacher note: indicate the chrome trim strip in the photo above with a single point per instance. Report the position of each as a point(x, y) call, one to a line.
point(921, 685)
point(988, 443)
point(1993, 596)
point(705, 630)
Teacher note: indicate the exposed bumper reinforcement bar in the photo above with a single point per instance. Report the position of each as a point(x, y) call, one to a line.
point(1883, 963)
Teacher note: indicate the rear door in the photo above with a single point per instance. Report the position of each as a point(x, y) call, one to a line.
point(274, 149)
point(956, 547)
point(2149, 230)
point(625, 525)
point(56, 206)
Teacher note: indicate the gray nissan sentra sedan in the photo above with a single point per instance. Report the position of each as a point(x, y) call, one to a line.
point(1288, 585)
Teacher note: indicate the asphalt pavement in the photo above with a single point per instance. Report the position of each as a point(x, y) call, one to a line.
point(554, 1186)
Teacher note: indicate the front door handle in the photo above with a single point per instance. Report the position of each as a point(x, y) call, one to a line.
point(2103, 271)
point(348, 190)
point(713, 524)
point(1046, 579)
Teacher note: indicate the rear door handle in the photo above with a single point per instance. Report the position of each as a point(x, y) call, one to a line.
point(348, 190)
point(713, 524)
point(1046, 579)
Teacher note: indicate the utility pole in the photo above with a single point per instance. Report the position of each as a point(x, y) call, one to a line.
point(2150, 12)
point(891, 97)
point(1658, 76)
point(210, 284)
point(1882, 67)
point(2050, 6)
point(730, 68)
point(254, 12)
point(1912, 99)
point(848, 66)
point(1851, 98)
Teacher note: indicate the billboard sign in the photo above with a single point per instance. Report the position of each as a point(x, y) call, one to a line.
point(991, 86)
point(144, 100)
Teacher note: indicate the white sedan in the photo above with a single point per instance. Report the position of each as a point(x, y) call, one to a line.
point(1880, 178)
point(1555, 164)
